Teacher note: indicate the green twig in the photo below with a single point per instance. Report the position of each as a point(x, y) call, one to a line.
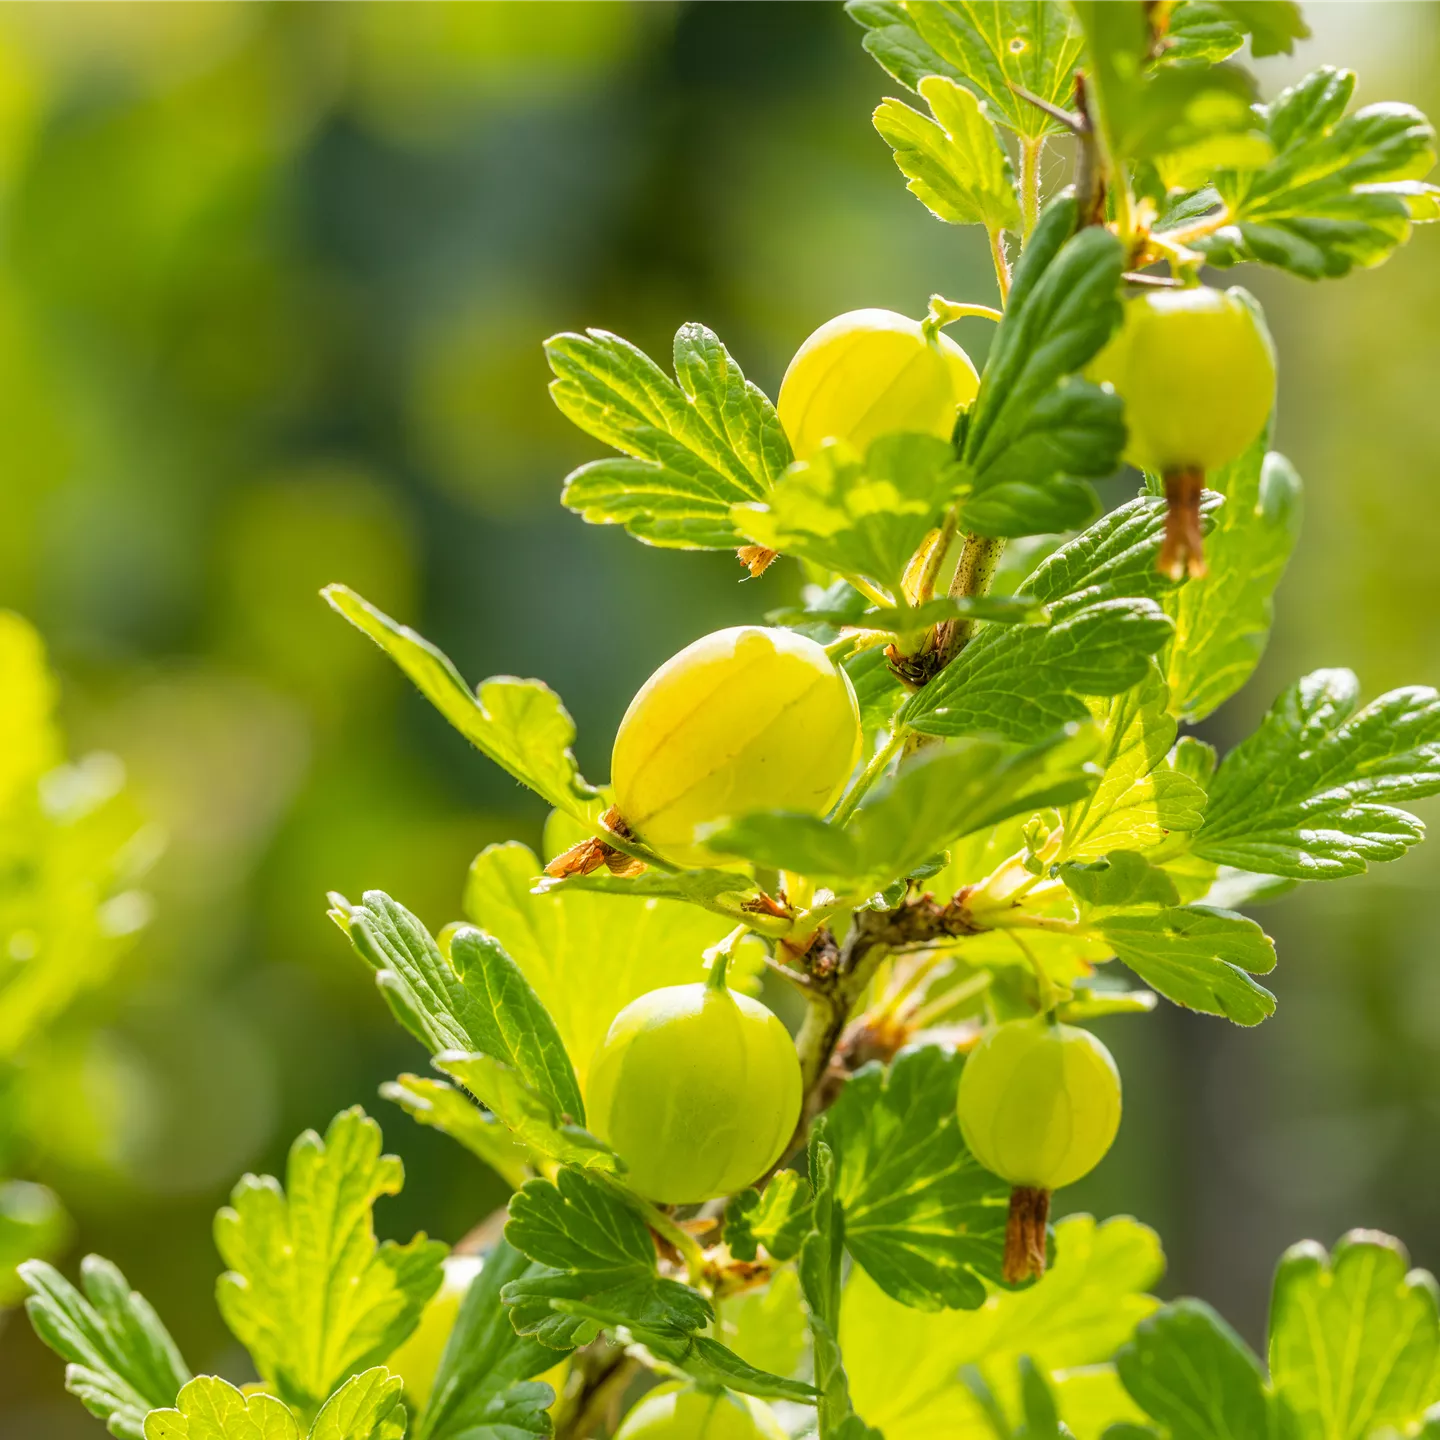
point(868, 776)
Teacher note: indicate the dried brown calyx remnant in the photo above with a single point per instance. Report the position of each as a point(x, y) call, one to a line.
point(591, 854)
point(1183, 552)
point(1025, 1234)
point(756, 559)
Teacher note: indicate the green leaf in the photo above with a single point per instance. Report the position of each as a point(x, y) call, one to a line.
point(1188, 118)
point(444, 1108)
point(366, 1407)
point(1273, 25)
point(905, 1364)
point(210, 1408)
point(120, 1360)
point(693, 449)
point(1124, 880)
point(530, 1116)
point(33, 1226)
point(1202, 30)
point(711, 1363)
point(1339, 191)
point(1354, 1338)
point(520, 724)
point(939, 796)
point(1140, 799)
point(955, 164)
point(860, 517)
point(778, 1218)
point(1223, 620)
point(517, 1029)
point(477, 1000)
point(1036, 428)
point(598, 1262)
point(589, 955)
point(1187, 1369)
point(987, 47)
point(921, 1216)
point(481, 1385)
point(309, 1292)
point(1026, 682)
point(766, 1326)
point(877, 690)
point(1312, 794)
point(1199, 958)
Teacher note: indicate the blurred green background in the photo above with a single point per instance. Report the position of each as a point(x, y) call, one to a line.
point(273, 281)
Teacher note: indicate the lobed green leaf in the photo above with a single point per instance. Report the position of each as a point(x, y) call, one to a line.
point(520, 724)
point(693, 449)
point(309, 1292)
point(120, 1360)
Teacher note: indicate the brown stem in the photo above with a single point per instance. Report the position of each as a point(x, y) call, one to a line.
point(1025, 1234)
point(838, 978)
point(1183, 552)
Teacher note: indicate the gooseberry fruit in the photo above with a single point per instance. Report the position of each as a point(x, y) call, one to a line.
point(1197, 374)
point(745, 719)
point(1039, 1105)
point(418, 1359)
point(687, 1412)
point(697, 1089)
point(869, 373)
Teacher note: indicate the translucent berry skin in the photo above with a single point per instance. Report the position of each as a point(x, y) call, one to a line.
point(697, 1089)
point(685, 1412)
point(745, 719)
point(1197, 374)
point(1039, 1102)
point(869, 373)
point(417, 1360)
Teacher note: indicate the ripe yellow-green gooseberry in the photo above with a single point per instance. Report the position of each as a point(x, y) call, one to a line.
point(745, 719)
point(687, 1412)
point(696, 1088)
point(869, 373)
point(1039, 1105)
point(1197, 373)
point(418, 1359)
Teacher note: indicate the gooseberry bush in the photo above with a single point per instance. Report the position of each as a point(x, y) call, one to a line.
point(946, 800)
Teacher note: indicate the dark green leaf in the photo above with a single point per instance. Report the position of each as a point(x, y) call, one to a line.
point(444, 1108)
point(598, 1262)
point(920, 1215)
point(1340, 189)
point(859, 517)
point(997, 609)
point(1312, 794)
point(711, 1363)
point(892, 39)
point(1223, 620)
point(1273, 25)
point(955, 163)
point(515, 1028)
point(694, 449)
point(1354, 1338)
point(520, 724)
point(1202, 30)
point(1024, 683)
point(530, 1116)
point(778, 1218)
point(878, 691)
point(1036, 427)
point(1199, 958)
point(481, 1380)
point(1187, 1369)
point(938, 797)
point(309, 1292)
point(120, 1360)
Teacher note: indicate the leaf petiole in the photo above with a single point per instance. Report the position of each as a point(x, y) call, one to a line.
point(871, 773)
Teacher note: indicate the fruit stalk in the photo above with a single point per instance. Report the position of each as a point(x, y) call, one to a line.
point(1183, 552)
point(1025, 1234)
